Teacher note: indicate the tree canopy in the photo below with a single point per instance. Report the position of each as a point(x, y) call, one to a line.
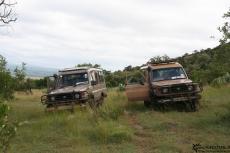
point(225, 29)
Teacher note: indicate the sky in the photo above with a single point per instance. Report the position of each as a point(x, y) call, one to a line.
point(112, 33)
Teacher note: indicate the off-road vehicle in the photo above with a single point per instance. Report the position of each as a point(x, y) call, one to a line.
point(75, 86)
point(165, 83)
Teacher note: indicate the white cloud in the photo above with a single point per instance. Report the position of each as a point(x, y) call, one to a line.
point(112, 33)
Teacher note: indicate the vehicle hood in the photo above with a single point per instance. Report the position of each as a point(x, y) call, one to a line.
point(171, 82)
point(69, 89)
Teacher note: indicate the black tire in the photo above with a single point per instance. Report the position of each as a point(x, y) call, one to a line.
point(191, 106)
point(49, 106)
point(101, 101)
point(147, 104)
point(195, 105)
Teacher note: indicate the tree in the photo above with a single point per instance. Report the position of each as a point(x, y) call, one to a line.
point(6, 81)
point(225, 29)
point(7, 15)
point(158, 59)
point(89, 65)
point(7, 129)
point(20, 78)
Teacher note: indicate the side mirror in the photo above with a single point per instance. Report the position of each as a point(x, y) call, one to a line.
point(93, 82)
point(55, 76)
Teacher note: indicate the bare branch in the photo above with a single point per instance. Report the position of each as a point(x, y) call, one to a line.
point(6, 12)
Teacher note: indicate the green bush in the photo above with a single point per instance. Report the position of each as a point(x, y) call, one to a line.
point(7, 129)
point(7, 84)
point(221, 80)
point(6, 81)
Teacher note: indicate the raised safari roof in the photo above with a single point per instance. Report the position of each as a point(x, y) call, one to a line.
point(161, 65)
point(77, 70)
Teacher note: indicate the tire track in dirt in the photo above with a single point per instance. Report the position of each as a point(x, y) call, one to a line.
point(142, 137)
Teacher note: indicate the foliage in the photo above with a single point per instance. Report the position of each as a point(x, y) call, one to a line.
point(201, 66)
point(39, 83)
point(20, 76)
point(65, 132)
point(6, 81)
point(89, 65)
point(158, 59)
point(135, 129)
point(206, 65)
point(221, 80)
point(7, 129)
point(21, 82)
point(225, 29)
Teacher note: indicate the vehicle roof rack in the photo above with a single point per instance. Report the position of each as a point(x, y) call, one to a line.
point(171, 61)
point(78, 68)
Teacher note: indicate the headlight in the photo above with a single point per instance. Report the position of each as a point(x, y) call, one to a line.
point(190, 88)
point(77, 96)
point(165, 90)
point(52, 98)
point(84, 95)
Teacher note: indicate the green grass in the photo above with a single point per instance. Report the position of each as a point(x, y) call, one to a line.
point(120, 126)
point(64, 132)
point(176, 131)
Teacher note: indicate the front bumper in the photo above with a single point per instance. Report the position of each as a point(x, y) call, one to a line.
point(46, 101)
point(178, 99)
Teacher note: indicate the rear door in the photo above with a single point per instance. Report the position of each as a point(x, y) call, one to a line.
point(96, 89)
point(137, 89)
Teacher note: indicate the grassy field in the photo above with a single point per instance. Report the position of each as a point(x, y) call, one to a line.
point(119, 126)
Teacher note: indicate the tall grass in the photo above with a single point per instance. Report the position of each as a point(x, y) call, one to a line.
point(63, 131)
point(109, 129)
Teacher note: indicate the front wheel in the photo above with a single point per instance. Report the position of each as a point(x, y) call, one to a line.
point(147, 103)
point(194, 105)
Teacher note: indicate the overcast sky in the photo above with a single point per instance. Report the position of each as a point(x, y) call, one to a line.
point(113, 33)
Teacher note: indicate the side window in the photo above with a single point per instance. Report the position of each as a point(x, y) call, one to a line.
point(97, 76)
point(92, 76)
point(101, 77)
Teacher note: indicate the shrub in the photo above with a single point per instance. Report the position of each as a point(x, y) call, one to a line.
point(7, 129)
point(6, 81)
point(221, 80)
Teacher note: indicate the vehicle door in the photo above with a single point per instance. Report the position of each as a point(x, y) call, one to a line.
point(137, 87)
point(95, 84)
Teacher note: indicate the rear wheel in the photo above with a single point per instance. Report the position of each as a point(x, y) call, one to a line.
point(92, 103)
point(101, 101)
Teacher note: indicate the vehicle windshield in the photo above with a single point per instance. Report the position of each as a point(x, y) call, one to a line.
point(168, 74)
point(72, 79)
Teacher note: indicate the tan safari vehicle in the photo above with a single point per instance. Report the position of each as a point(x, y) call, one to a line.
point(75, 86)
point(163, 84)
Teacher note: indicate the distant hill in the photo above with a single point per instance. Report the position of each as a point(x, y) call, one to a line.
point(207, 64)
point(34, 71)
point(202, 66)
